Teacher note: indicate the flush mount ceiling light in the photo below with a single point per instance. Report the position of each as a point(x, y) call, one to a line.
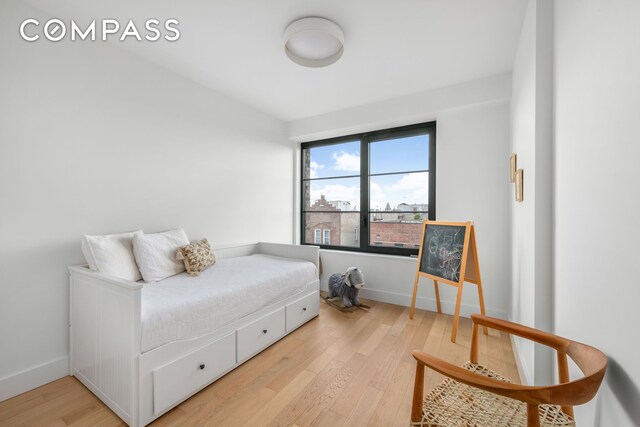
point(313, 42)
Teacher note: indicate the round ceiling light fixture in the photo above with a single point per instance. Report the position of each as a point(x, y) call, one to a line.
point(313, 42)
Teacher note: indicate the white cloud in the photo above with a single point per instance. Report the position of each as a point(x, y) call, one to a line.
point(333, 192)
point(410, 188)
point(313, 169)
point(414, 186)
point(346, 162)
point(378, 197)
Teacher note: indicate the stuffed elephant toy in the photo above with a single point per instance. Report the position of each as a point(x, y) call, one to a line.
point(346, 286)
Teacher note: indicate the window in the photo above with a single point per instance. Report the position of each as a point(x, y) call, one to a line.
point(326, 237)
point(373, 190)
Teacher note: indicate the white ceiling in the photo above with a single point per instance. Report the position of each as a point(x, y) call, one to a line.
point(392, 47)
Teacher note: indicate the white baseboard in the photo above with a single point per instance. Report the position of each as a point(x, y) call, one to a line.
point(29, 379)
point(448, 307)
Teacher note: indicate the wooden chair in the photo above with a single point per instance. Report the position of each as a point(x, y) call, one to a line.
point(473, 395)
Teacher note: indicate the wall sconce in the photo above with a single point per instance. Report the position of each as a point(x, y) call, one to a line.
point(516, 176)
point(519, 178)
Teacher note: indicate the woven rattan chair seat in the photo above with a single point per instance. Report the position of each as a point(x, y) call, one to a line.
point(454, 404)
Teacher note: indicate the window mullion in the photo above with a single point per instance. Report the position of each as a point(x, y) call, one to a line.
point(432, 174)
point(364, 192)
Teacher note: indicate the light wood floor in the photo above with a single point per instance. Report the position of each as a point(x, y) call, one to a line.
point(340, 369)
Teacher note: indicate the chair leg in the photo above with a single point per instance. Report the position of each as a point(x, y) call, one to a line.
point(563, 373)
point(533, 416)
point(416, 406)
point(473, 353)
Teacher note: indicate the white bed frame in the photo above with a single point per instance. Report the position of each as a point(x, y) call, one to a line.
point(104, 339)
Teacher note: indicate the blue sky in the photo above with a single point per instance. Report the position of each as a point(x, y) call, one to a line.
point(387, 156)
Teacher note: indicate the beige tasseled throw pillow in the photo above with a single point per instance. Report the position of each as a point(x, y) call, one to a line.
point(197, 257)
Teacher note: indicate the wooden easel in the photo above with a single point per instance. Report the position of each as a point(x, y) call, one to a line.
point(469, 270)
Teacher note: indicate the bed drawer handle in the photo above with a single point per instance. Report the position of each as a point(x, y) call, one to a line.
point(264, 331)
point(202, 366)
point(304, 308)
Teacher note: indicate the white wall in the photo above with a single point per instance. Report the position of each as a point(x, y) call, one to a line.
point(531, 220)
point(597, 69)
point(409, 109)
point(94, 140)
point(472, 183)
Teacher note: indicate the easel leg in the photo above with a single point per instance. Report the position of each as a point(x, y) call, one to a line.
point(435, 284)
point(481, 297)
point(413, 298)
point(456, 315)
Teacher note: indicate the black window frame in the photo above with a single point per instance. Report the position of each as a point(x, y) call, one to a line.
point(365, 139)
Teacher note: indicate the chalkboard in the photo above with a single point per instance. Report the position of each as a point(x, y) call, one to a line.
point(448, 254)
point(442, 251)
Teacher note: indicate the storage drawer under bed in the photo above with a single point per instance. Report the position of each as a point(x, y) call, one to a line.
point(302, 310)
point(184, 376)
point(260, 333)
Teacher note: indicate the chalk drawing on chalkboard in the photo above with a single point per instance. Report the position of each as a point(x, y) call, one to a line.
point(443, 254)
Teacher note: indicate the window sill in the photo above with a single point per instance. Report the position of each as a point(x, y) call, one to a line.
point(408, 258)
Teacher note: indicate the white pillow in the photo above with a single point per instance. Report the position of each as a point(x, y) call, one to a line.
point(156, 254)
point(111, 254)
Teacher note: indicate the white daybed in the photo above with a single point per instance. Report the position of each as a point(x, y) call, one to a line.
point(144, 348)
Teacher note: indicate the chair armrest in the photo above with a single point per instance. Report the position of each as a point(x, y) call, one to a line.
point(536, 335)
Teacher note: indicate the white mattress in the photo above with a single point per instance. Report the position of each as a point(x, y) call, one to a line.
point(182, 307)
